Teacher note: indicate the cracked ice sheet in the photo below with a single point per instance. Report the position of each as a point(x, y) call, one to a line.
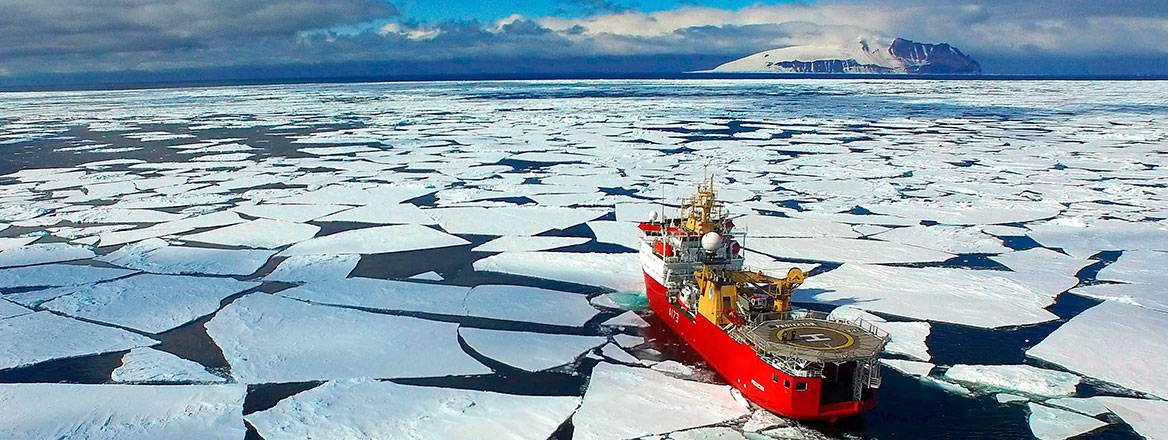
point(262, 233)
point(290, 213)
point(510, 220)
point(357, 194)
point(513, 243)
point(157, 256)
point(1043, 269)
point(383, 295)
point(1076, 346)
point(147, 302)
point(1086, 239)
point(10, 309)
point(1019, 379)
point(304, 268)
point(529, 351)
point(147, 365)
point(269, 339)
point(52, 275)
point(844, 250)
point(619, 233)
point(124, 412)
point(376, 240)
point(1048, 423)
point(42, 336)
point(983, 213)
point(402, 213)
point(978, 298)
point(42, 253)
point(1141, 276)
point(221, 218)
point(1146, 417)
point(774, 226)
point(590, 269)
point(366, 408)
point(660, 404)
point(951, 239)
point(529, 304)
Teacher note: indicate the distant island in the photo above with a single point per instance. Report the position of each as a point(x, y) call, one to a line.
point(862, 55)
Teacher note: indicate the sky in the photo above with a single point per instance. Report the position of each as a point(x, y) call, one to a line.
point(67, 41)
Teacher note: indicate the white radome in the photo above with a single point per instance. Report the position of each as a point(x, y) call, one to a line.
point(711, 241)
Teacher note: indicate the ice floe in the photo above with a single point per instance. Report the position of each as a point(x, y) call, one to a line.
point(661, 404)
point(1140, 278)
point(42, 253)
point(1043, 269)
point(774, 226)
point(529, 351)
point(221, 218)
point(147, 365)
point(157, 256)
point(514, 220)
point(125, 412)
point(1085, 239)
point(1146, 417)
point(384, 295)
point(267, 339)
point(42, 336)
point(428, 276)
point(290, 212)
point(365, 408)
point(715, 433)
point(402, 213)
point(1023, 379)
point(1055, 424)
point(147, 302)
point(8, 310)
point(376, 240)
point(1083, 405)
point(979, 298)
point(620, 233)
point(907, 338)
point(627, 319)
point(304, 268)
point(1139, 346)
point(986, 213)
point(593, 269)
point(844, 250)
point(911, 368)
point(52, 275)
point(951, 239)
point(529, 304)
point(513, 243)
point(262, 233)
point(1010, 398)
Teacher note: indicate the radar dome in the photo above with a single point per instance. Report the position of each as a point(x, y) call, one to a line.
point(711, 241)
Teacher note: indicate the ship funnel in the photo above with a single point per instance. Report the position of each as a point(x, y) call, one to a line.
point(711, 242)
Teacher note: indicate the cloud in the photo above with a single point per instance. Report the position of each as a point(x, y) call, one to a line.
point(113, 35)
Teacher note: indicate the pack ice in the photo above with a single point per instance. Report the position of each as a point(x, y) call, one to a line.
point(592, 269)
point(42, 336)
point(157, 256)
point(1077, 344)
point(527, 350)
point(130, 412)
point(1023, 379)
point(367, 408)
point(661, 404)
point(147, 365)
point(1056, 424)
point(267, 338)
point(376, 240)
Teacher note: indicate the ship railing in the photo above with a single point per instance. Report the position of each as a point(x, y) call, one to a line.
point(863, 324)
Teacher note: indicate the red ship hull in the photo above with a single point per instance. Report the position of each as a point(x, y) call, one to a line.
point(740, 366)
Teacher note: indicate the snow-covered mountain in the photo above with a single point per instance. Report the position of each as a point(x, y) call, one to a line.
point(869, 54)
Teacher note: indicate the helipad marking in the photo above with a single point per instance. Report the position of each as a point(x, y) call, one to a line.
point(815, 340)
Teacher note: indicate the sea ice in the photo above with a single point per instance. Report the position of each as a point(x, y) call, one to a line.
point(365, 408)
point(968, 214)
point(147, 365)
point(1146, 417)
point(304, 268)
point(289, 213)
point(911, 368)
point(1141, 280)
point(661, 404)
point(8, 310)
point(1009, 398)
point(714, 433)
point(620, 233)
point(1043, 269)
point(124, 412)
point(627, 319)
point(529, 304)
point(1090, 406)
point(42, 253)
point(221, 218)
point(157, 256)
point(383, 295)
point(673, 367)
point(16, 242)
point(618, 354)
point(41, 336)
point(529, 351)
point(615, 271)
point(1055, 424)
point(1023, 379)
point(1104, 235)
point(951, 239)
point(402, 213)
point(267, 339)
point(907, 338)
point(262, 233)
point(1139, 346)
point(428, 276)
point(510, 220)
point(844, 250)
point(376, 240)
point(51, 275)
point(147, 302)
point(979, 298)
point(513, 243)
point(774, 226)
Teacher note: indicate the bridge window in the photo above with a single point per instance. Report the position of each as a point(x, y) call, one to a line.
point(801, 386)
point(775, 377)
point(787, 383)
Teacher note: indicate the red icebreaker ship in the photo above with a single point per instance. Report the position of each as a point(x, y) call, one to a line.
point(795, 363)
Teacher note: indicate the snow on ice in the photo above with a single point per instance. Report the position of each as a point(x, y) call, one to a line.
point(267, 339)
point(593, 269)
point(147, 365)
point(376, 240)
point(262, 233)
point(529, 304)
point(124, 412)
point(303, 268)
point(1055, 424)
point(51, 275)
point(383, 295)
point(661, 404)
point(1023, 379)
point(42, 336)
point(42, 253)
point(1146, 417)
point(529, 351)
point(366, 408)
point(157, 256)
